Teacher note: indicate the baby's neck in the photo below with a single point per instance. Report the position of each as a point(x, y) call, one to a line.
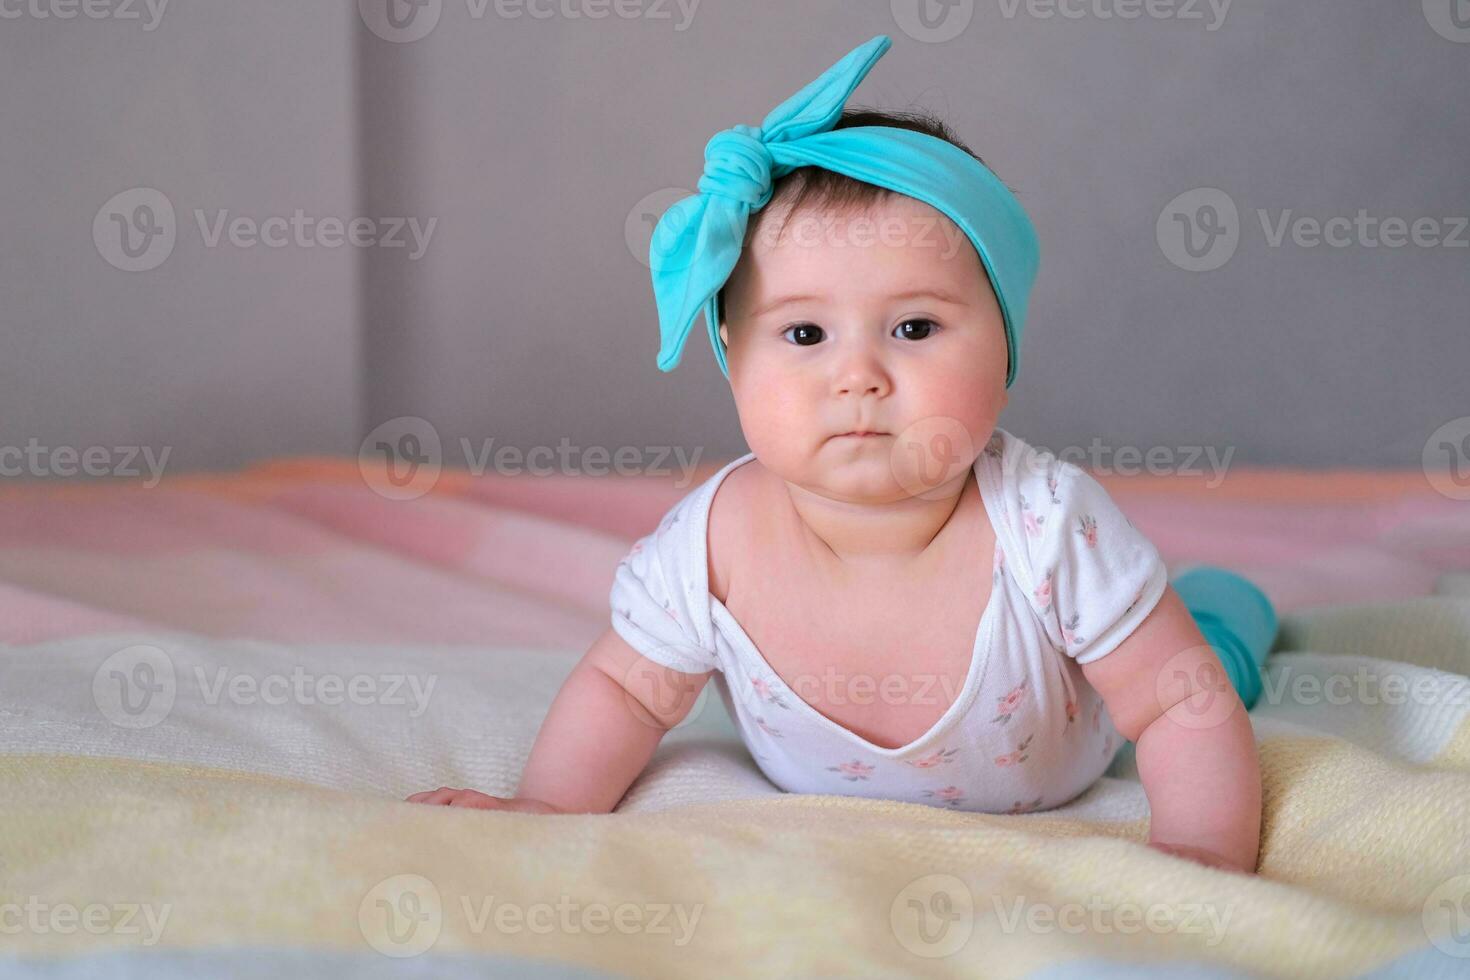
point(858, 537)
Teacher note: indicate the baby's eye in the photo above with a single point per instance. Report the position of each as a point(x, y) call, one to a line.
point(915, 329)
point(806, 334)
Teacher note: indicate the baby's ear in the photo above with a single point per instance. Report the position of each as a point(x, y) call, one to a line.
point(725, 334)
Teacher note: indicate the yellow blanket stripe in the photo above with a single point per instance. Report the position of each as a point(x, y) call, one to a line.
point(1353, 846)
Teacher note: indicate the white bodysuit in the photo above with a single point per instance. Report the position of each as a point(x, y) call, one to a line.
point(1072, 579)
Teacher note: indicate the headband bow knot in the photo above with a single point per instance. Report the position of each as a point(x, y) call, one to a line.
point(698, 240)
point(737, 166)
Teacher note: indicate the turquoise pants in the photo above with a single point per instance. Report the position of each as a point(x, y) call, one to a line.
point(1237, 620)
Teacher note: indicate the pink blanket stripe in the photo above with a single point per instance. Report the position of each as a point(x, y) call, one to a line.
point(301, 549)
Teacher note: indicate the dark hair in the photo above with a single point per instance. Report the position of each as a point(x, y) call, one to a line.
point(818, 187)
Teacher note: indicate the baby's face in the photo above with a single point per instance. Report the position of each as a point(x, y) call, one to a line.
point(881, 321)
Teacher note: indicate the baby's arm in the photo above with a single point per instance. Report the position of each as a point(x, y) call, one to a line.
point(602, 728)
point(1167, 691)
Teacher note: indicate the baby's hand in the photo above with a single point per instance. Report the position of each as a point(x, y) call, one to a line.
point(475, 800)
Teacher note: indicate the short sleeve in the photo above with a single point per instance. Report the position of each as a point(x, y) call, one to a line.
point(656, 602)
point(1096, 577)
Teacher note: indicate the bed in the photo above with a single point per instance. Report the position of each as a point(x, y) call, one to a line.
point(215, 692)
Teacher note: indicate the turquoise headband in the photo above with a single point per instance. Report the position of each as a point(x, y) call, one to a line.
point(698, 240)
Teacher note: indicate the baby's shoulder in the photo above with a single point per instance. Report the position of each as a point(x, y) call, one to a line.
point(1044, 495)
point(1028, 475)
point(730, 528)
point(709, 526)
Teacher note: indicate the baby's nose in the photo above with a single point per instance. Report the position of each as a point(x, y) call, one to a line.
point(862, 377)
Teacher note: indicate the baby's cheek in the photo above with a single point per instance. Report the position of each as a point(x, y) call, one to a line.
point(960, 396)
point(772, 420)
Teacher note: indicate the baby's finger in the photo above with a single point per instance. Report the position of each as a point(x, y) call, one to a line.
point(440, 796)
point(478, 801)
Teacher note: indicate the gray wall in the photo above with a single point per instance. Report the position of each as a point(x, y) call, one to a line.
point(221, 354)
point(534, 143)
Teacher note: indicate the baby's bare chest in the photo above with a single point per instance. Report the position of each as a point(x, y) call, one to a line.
point(885, 662)
point(882, 652)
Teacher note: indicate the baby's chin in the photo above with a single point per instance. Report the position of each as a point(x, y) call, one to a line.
point(864, 471)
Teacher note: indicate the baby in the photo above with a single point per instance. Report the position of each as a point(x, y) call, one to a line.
point(895, 597)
